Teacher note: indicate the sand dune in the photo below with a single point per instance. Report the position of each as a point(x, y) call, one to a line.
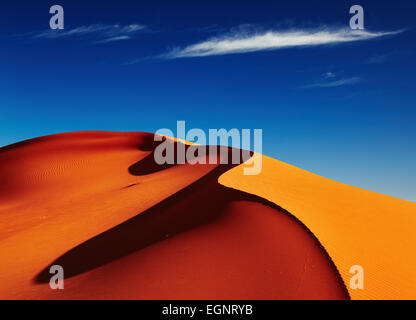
point(125, 228)
point(355, 226)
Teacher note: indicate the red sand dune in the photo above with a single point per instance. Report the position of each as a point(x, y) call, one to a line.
point(125, 228)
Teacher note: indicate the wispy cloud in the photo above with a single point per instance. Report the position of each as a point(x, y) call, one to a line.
point(241, 42)
point(113, 39)
point(380, 58)
point(334, 83)
point(328, 75)
point(108, 33)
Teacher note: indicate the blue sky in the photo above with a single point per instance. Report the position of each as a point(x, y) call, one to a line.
point(331, 103)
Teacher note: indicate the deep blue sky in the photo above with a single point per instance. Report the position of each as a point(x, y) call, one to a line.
point(361, 133)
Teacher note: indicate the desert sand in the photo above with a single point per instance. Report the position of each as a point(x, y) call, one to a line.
point(125, 228)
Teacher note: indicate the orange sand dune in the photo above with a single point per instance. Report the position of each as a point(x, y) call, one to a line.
point(125, 228)
point(355, 226)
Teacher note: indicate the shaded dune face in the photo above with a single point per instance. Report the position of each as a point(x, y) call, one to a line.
point(124, 227)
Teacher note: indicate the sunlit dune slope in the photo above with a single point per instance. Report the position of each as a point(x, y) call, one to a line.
point(124, 227)
point(356, 226)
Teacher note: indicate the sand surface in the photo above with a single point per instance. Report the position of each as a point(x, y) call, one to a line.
point(125, 228)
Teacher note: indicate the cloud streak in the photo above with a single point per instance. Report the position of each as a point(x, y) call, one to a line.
point(335, 83)
point(109, 33)
point(272, 40)
point(118, 38)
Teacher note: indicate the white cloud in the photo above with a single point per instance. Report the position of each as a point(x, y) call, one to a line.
point(329, 74)
point(272, 40)
point(335, 83)
point(95, 30)
point(113, 39)
point(379, 58)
